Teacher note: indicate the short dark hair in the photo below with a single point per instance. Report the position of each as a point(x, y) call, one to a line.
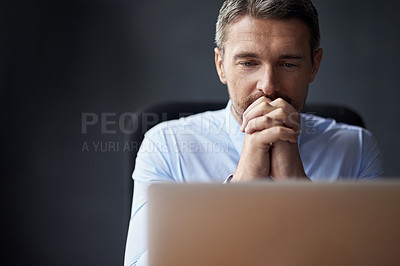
point(303, 10)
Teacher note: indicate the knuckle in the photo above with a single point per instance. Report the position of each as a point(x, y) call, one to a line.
point(281, 111)
point(278, 130)
point(253, 123)
point(264, 104)
point(280, 101)
point(277, 113)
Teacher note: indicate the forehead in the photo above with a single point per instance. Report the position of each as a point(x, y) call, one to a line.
point(262, 35)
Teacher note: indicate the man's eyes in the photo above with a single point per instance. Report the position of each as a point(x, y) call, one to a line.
point(288, 65)
point(247, 63)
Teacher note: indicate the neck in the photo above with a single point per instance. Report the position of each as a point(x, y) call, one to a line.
point(236, 115)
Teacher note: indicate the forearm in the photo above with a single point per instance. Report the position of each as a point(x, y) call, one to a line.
point(254, 163)
point(286, 162)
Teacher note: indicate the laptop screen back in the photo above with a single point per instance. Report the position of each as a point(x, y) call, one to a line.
point(275, 224)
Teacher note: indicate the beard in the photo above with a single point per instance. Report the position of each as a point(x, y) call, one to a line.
point(240, 105)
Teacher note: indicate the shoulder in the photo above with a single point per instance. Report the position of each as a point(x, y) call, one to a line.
point(339, 138)
point(344, 150)
point(315, 126)
point(174, 149)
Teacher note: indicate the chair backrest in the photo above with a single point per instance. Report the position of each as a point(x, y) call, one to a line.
point(340, 113)
point(148, 116)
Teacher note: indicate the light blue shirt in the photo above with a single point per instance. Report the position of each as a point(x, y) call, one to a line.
point(206, 147)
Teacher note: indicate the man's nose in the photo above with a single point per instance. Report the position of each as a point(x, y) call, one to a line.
point(267, 80)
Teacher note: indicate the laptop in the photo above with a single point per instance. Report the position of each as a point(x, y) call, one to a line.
point(274, 224)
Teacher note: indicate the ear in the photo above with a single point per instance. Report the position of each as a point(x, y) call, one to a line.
point(219, 65)
point(316, 63)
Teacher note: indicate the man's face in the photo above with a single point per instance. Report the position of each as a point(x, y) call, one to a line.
point(265, 57)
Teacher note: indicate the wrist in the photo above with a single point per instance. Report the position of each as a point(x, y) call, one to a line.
point(254, 161)
point(251, 168)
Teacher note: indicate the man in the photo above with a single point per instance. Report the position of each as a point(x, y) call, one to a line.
point(267, 54)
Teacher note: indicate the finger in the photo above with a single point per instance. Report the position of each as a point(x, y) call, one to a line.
point(276, 117)
point(257, 102)
point(274, 134)
point(293, 115)
point(281, 103)
point(260, 123)
point(258, 108)
point(291, 120)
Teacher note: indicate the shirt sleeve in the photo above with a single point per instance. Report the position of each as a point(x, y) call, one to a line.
point(228, 179)
point(372, 163)
point(151, 166)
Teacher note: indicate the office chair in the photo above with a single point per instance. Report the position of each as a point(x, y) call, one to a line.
point(148, 116)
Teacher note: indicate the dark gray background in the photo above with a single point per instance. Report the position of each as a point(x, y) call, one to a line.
point(59, 59)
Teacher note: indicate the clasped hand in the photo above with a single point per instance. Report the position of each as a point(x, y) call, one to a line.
point(270, 146)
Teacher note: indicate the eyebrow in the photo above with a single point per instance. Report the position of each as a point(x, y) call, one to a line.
point(254, 55)
point(246, 55)
point(291, 56)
